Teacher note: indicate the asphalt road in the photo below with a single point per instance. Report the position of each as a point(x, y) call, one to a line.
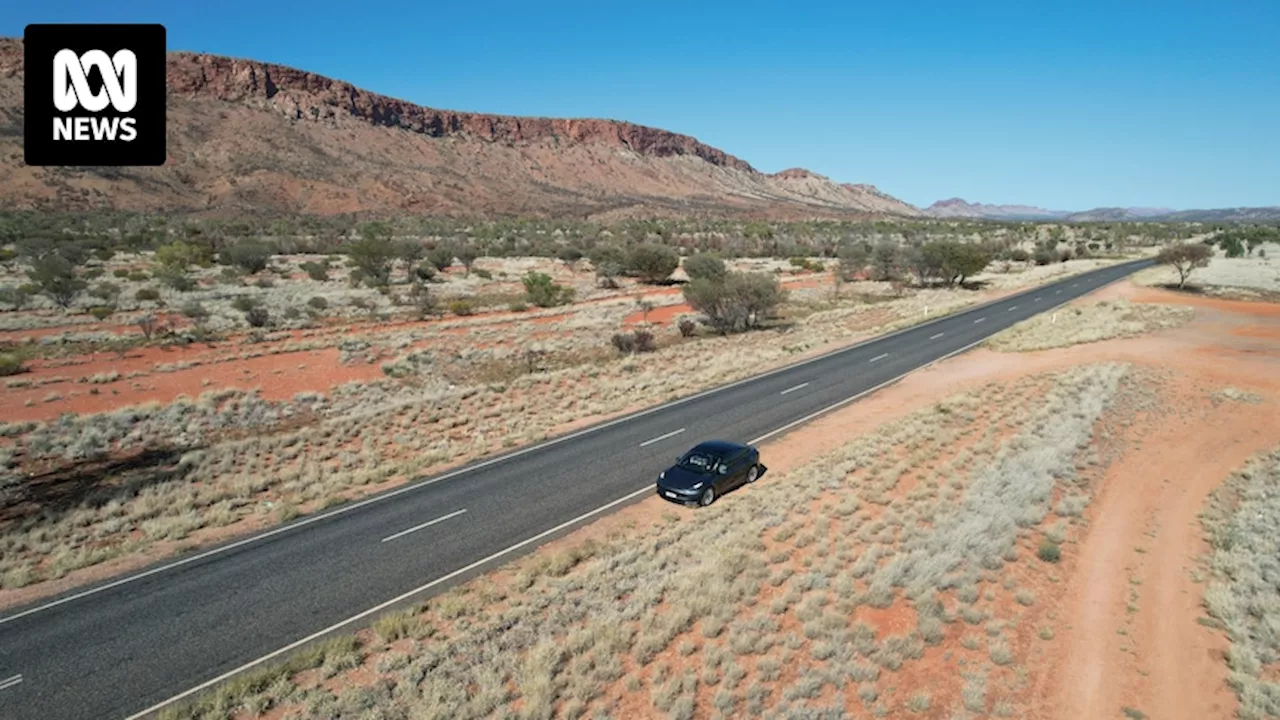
point(122, 647)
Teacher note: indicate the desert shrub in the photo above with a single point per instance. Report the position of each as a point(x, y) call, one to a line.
point(424, 271)
point(195, 310)
point(633, 342)
point(441, 257)
point(652, 263)
point(317, 302)
point(11, 364)
point(15, 296)
point(737, 303)
point(569, 254)
point(705, 267)
point(244, 303)
point(1049, 551)
point(105, 291)
point(483, 274)
point(102, 312)
point(56, 277)
point(121, 273)
point(462, 306)
point(147, 295)
point(251, 256)
point(518, 306)
point(1019, 255)
point(609, 262)
point(139, 276)
point(540, 290)
point(687, 327)
point(1043, 256)
point(317, 271)
point(147, 324)
point(373, 255)
point(257, 316)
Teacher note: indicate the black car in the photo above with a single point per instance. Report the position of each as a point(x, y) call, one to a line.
point(708, 470)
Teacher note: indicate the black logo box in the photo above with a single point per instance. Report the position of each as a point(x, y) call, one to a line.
point(41, 43)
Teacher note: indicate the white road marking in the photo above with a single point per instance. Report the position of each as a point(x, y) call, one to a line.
point(651, 441)
point(648, 488)
point(975, 322)
point(1057, 292)
point(935, 337)
point(1015, 307)
point(426, 524)
point(1037, 299)
point(10, 682)
point(880, 357)
point(882, 385)
point(1074, 284)
point(793, 389)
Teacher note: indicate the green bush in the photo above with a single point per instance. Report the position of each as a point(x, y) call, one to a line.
point(317, 271)
point(139, 276)
point(652, 263)
point(11, 364)
point(147, 295)
point(483, 274)
point(101, 312)
point(120, 272)
point(1049, 551)
point(318, 303)
point(704, 267)
point(541, 291)
point(462, 306)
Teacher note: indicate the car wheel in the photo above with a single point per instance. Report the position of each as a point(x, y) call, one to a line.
point(752, 473)
point(708, 497)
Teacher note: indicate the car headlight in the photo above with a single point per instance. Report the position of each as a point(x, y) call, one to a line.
point(662, 475)
point(695, 487)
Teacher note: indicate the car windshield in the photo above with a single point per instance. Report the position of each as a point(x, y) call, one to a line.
point(699, 461)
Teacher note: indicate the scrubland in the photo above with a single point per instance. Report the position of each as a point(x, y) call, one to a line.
point(1241, 594)
point(151, 451)
point(843, 587)
point(1090, 322)
point(1256, 275)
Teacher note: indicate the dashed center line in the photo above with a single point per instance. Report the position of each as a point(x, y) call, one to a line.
point(1037, 300)
point(975, 322)
point(426, 524)
point(1015, 307)
point(660, 438)
point(935, 337)
point(793, 389)
point(880, 357)
point(10, 682)
point(1057, 292)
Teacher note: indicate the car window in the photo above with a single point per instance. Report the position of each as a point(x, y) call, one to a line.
point(702, 462)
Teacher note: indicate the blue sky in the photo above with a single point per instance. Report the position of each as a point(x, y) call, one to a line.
point(1067, 105)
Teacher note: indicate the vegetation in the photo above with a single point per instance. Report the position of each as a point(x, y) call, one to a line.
point(736, 303)
point(705, 267)
point(652, 263)
point(539, 290)
point(1184, 258)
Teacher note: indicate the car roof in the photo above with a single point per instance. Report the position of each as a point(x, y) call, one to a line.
point(717, 447)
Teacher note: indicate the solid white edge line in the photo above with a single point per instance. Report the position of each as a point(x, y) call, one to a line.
point(524, 451)
point(662, 437)
point(879, 357)
point(10, 682)
point(399, 598)
point(935, 337)
point(793, 389)
point(535, 538)
point(426, 524)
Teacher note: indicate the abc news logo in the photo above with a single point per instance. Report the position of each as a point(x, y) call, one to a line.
point(94, 94)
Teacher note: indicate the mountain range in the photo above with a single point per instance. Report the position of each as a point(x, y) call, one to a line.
point(253, 137)
point(957, 208)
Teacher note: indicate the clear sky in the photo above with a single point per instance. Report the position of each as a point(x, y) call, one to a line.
point(1068, 105)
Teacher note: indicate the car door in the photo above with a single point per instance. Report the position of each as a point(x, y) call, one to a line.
point(736, 463)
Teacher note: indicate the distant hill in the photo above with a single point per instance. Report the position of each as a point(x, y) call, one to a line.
point(251, 136)
point(958, 208)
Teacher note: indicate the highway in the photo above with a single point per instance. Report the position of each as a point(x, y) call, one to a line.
point(130, 644)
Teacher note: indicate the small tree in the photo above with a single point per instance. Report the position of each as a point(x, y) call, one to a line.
point(467, 254)
point(56, 277)
point(569, 255)
point(652, 263)
point(373, 256)
point(737, 303)
point(687, 327)
point(251, 256)
point(886, 260)
point(608, 262)
point(853, 259)
point(441, 257)
point(705, 267)
point(15, 296)
point(257, 316)
point(540, 290)
point(645, 307)
point(317, 271)
point(1184, 258)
